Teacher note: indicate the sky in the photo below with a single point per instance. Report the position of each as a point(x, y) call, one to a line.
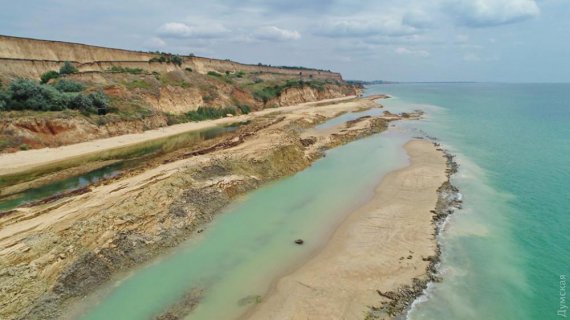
point(398, 40)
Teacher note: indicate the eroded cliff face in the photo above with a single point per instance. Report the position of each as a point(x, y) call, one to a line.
point(24, 57)
point(293, 96)
point(36, 132)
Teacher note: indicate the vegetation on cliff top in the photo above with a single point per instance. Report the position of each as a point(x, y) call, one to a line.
point(168, 58)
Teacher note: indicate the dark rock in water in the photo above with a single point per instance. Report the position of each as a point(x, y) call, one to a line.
point(200, 230)
point(299, 241)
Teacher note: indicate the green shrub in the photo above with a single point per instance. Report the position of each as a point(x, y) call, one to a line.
point(26, 94)
point(68, 68)
point(92, 103)
point(168, 58)
point(64, 85)
point(244, 108)
point(205, 113)
point(24, 146)
point(46, 77)
point(23, 94)
point(188, 69)
point(268, 93)
point(119, 69)
point(100, 102)
point(214, 74)
point(177, 60)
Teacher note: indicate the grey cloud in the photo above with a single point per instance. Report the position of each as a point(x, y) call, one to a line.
point(387, 26)
point(183, 31)
point(273, 33)
point(489, 13)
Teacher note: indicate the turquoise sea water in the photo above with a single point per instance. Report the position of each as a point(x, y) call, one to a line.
point(505, 251)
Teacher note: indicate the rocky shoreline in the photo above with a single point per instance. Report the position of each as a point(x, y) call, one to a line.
point(400, 301)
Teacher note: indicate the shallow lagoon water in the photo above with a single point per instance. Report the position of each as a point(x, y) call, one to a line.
point(127, 157)
point(252, 241)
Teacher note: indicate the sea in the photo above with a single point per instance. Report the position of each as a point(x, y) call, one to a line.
point(506, 254)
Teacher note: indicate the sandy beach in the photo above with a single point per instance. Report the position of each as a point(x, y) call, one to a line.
point(382, 246)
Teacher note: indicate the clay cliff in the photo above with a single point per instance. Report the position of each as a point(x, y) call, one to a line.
point(144, 91)
point(32, 57)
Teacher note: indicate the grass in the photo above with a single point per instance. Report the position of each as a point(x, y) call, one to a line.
point(227, 78)
point(215, 74)
point(138, 84)
point(117, 69)
point(206, 113)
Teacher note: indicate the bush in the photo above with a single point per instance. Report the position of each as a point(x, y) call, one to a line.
point(25, 94)
point(64, 85)
point(168, 58)
point(214, 74)
point(177, 60)
point(188, 69)
point(46, 77)
point(68, 68)
point(204, 113)
point(125, 70)
point(100, 102)
point(91, 103)
point(244, 108)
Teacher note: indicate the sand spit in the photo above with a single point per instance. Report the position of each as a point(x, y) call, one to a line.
point(54, 253)
point(380, 258)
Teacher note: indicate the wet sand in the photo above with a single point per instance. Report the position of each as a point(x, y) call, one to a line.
point(382, 245)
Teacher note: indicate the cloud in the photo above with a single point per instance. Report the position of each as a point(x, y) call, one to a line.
point(184, 31)
point(387, 26)
point(272, 33)
point(154, 43)
point(488, 13)
point(406, 51)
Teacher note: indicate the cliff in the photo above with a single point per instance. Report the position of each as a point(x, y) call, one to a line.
point(24, 57)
